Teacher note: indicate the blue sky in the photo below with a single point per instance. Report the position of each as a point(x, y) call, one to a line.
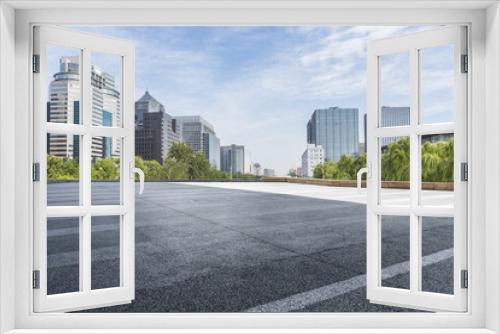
point(258, 86)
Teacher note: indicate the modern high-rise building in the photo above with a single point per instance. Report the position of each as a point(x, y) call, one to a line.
point(64, 107)
point(192, 129)
point(336, 130)
point(312, 156)
point(300, 171)
point(269, 172)
point(391, 117)
point(146, 104)
point(394, 116)
point(211, 149)
point(155, 130)
point(248, 167)
point(232, 158)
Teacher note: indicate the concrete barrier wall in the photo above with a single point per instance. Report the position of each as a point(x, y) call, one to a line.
point(352, 183)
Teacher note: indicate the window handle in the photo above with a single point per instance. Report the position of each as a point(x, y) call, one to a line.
point(138, 171)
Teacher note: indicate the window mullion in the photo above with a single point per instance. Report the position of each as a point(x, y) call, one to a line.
point(415, 246)
point(86, 163)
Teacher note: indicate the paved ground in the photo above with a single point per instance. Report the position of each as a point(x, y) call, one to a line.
point(388, 196)
point(208, 249)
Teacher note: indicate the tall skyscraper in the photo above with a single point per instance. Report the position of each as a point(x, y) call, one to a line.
point(232, 158)
point(248, 168)
point(146, 104)
point(269, 172)
point(64, 107)
point(312, 156)
point(155, 130)
point(192, 129)
point(211, 149)
point(336, 130)
point(395, 116)
point(391, 117)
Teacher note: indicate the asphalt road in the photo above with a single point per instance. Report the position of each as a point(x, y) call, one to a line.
point(202, 249)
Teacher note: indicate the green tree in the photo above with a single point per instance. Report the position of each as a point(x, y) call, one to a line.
point(59, 168)
point(199, 167)
point(175, 170)
point(396, 161)
point(153, 170)
point(437, 161)
point(180, 151)
point(106, 169)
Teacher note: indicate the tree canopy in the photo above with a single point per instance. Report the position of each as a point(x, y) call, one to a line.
point(437, 163)
point(181, 163)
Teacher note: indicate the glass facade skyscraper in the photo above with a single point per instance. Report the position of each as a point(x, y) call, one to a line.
point(336, 130)
point(232, 158)
point(391, 117)
point(155, 129)
point(192, 129)
point(64, 107)
point(211, 149)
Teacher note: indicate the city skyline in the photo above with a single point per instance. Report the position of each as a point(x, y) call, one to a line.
point(251, 82)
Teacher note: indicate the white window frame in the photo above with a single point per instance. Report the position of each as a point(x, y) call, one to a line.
point(86, 297)
point(483, 18)
point(411, 44)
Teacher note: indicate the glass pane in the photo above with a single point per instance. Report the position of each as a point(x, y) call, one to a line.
point(395, 254)
point(105, 252)
point(63, 169)
point(437, 170)
point(63, 255)
point(437, 254)
point(64, 88)
point(106, 157)
point(394, 90)
point(436, 84)
point(395, 171)
point(106, 90)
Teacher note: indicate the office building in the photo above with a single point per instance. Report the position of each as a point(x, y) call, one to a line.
point(64, 107)
point(146, 104)
point(392, 117)
point(269, 172)
point(155, 130)
point(232, 158)
point(248, 167)
point(395, 116)
point(312, 156)
point(300, 172)
point(211, 149)
point(192, 129)
point(335, 130)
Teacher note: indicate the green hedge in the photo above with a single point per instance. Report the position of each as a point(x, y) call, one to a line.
point(437, 163)
point(181, 164)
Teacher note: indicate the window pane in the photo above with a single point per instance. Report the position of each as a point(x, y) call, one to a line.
point(437, 170)
point(63, 169)
point(106, 158)
point(106, 90)
point(436, 84)
point(395, 171)
point(105, 252)
point(437, 254)
point(394, 96)
point(64, 88)
point(63, 255)
point(395, 251)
